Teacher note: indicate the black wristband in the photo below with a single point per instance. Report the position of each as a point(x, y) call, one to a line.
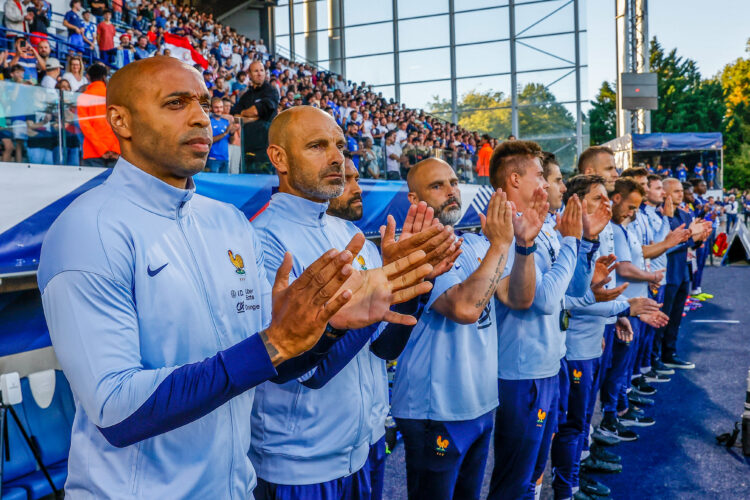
point(334, 333)
point(526, 250)
point(592, 240)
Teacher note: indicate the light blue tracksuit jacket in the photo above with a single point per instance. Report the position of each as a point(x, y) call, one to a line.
point(142, 285)
point(530, 343)
point(302, 435)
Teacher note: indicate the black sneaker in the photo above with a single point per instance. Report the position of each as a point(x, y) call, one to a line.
point(603, 440)
point(612, 427)
point(656, 378)
point(591, 486)
point(592, 464)
point(661, 368)
point(676, 362)
point(631, 418)
point(638, 400)
point(640, 386)
point(601, 453)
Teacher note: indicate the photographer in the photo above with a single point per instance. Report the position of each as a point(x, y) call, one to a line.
point(27, 57)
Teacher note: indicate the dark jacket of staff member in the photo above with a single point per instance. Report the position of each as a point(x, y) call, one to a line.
point(257, 107)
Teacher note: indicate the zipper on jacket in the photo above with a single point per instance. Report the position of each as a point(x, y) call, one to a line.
point(216, 331)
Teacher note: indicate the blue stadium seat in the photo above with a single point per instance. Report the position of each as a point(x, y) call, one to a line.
point(36, 485)
point(21, 464)
point(14, 494)
point(48, 426)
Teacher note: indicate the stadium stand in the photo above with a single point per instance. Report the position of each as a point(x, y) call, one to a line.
point(224, 56)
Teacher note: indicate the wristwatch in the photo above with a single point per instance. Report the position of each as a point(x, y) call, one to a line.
point(334, 333)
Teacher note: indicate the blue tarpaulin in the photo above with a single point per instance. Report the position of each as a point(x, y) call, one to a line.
point(686, 141)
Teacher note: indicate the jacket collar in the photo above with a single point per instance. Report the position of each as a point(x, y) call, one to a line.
point(150, 193)
point(300, 210)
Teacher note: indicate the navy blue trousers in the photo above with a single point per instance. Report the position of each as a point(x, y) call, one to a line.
point(375, 465)
point(445, 460)
point(616, 370)
point(631, 357)
point(647, 347)
point(524, 424)
point(674, 304)
point(353, 487)
point(573, 424)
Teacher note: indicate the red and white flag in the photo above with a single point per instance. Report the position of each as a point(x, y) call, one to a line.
point(180, 47)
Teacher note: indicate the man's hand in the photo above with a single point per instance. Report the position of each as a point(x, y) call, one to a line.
point(677, 236)
point(375, 290)
point(603, 267)
point(595, 223)
point(301, 310)
point(526, 226)
point(642, 305)
point(657, 276)
point(421, 232)
point(602, 294)
point(624, 330)
point(700, 229)
point(657, 319)
point(497, 226)
point(570, 223)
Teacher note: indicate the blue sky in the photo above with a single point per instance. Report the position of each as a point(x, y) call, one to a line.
point(712, 33)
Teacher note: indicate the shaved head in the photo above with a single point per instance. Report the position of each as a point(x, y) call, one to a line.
point(305, 145)
point(158, 109)
point(433, 181)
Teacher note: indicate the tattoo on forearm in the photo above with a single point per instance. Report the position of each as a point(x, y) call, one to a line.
point(494, 280)
point(273, 353)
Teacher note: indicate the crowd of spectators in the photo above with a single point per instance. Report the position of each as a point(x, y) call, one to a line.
point(250, 84)
point(708, 173)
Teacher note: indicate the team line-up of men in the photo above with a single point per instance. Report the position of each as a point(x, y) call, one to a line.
point(212, 357)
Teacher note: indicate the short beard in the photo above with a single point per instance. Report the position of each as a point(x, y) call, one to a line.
point(449, 217)
point(345, 210)
point(313, 186)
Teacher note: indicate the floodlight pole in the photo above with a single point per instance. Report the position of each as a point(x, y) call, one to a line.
point(513, 76)
point(631, 27)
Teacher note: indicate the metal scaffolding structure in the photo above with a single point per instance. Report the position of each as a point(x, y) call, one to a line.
point(631, 23)
point(537, 42)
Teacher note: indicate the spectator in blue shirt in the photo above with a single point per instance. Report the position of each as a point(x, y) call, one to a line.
point(89, 32)
point(682, 172)
point(240, 85)
point(352, 142)
point(74, 23)
point(698, 170)
point(664, 171)
point(142, 50)
point(27, 57)
point(218, 157)
point(711, 170)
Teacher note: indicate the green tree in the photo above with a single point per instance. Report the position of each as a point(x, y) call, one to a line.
point(686, 103)
point(540, 118)
point(735, 83)
point(602, 115)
